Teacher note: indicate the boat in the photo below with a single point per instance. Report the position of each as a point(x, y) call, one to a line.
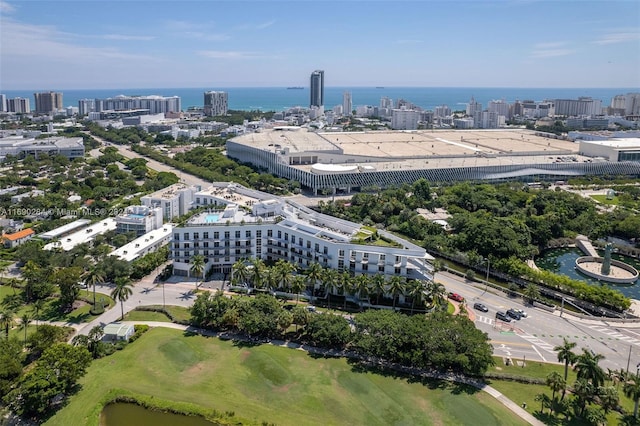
point(295, 88)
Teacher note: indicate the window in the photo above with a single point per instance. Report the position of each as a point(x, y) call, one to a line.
point(279, 234)
point(340, 264)
point(247, 234)
point(237, 234)
point(397, 271)
point(216, 243)
point(381, 268)
point(186, 235)
point(206, 243)
point(176, 237)
point(365, 256)
point(186, 245)
point(365, 266)
point(196, 244)
point(196, 235)
point(317, 247)
point(308, 244)
point(216, 235)
point(205, 235)
point(187, 253)
point(286, 236)
point(382, 257)
point(326, 250)
point(341, 253)
point(258, 233)
point(206, 252)
point(269, 233)
point(226, 235)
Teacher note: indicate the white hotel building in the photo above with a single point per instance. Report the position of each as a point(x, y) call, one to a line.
point(246, 224)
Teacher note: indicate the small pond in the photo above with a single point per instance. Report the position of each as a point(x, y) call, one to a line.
point(563, 261)
point(125, 414)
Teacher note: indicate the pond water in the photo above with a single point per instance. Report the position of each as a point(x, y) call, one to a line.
point(125, 414)
point(563, 261)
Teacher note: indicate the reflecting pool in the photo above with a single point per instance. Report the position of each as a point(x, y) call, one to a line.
point(563, 261)
point(125, 414)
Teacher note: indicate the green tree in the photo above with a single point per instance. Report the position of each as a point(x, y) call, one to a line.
point(531, 293)
point(301, 316)
point(556, 383)
point(6, 320)
point(44, 337)
point(328, 331)
point(11, 358)
point(396, 287)
point(25, 320)
point(378, 286)
point(284, 273)
point(417, 294)
point(198, 267)
point(297, 286)
point(314, 274)
point(94, 277)
point(545, 401)
point(566, 355)
point(122, 291)
point(239, 272)
point(586, 367)
point(257, 273)
point(631, 390)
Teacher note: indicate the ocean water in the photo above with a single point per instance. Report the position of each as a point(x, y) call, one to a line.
point(280, 98)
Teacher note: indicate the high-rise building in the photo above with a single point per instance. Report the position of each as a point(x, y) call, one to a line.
point(317, 89)
point(581, 106)
point(48, 102)
point(347, 103)
point(153, 103)
point(473, 107)
point(19, 105)
point(85, 106)
point(3, 103)
point(215, 103)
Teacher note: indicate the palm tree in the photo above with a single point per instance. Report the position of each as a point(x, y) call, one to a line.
point(583, 390)
point(631, 390)
point(396, 287)
point(417, 293)
point(94, 277)
point(239, 273)
point(198, 266)
point(6, 320)
point(587, 367)
point(256, 274)
point(122, 291)
point(297, 285)
point(284, 272)
point(378, 286)
point(361, 286)
point(545, 401)
point(566, 354)
point(25, 320)
point(331, 283)
point(314, 274)
point(272, 279)
point(556, 383)
point(344, 284)
point(531, 293)
point(609, 399)
point(37, 308)
point(436, 294)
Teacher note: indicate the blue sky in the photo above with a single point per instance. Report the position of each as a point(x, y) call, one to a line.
point(160, 44)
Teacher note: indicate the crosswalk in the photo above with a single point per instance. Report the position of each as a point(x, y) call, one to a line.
point(615, 334)
point(538, 342)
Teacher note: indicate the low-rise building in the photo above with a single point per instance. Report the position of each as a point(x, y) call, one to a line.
point(175, 200)
point(17, 238)
point(117, 331)
point(145, 244)
point(139, 219)
point(273, 228)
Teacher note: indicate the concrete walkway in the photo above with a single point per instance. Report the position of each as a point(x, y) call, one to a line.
point(457, 378)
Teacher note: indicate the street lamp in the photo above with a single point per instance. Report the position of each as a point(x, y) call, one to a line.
point(486, 287)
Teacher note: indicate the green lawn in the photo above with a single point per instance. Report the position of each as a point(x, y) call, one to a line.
point(146, 316)
point(279, 385)
point(604, 200)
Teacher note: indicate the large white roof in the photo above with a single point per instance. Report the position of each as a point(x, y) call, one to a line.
point(333, 168)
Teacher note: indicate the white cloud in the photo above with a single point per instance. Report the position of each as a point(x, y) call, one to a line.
point(251, 27)
point(200, 35)
point(127, 37)
point(551, 50)
point(228, 54)
point(26, 40)
point(614, 38)
point(6, 7)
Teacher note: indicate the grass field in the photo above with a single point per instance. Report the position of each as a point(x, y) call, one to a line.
point(267, 383)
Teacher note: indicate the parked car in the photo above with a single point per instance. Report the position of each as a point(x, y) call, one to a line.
point(479, 306)
point(502, 316)
point(512, 313)
point(522, 313)
point(456, 297)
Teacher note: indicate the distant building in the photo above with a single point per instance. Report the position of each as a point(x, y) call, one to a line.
point(582, 106)
point(85, 106)
point(215, 103)
point(500, 107)
point(4, 107)
point(405, 119)
point(153, 104)
point(317, 89)
point(18, 105)
point(473, 107)
point(34, 193)
point(347, 103)
point(48, 102)
point(442, 111)
point(21, 147)
point(17, 238)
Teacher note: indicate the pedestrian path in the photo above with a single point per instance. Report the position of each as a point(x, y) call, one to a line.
point(615, 334)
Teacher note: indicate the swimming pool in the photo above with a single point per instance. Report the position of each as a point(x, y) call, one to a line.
point(211, 218)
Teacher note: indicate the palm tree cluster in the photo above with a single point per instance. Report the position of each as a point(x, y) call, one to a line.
point(593, 394)
point(327, 283)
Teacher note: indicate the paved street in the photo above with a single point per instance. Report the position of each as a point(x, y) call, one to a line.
point(533, 338)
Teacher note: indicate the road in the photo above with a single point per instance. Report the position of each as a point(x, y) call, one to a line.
point(533, 338)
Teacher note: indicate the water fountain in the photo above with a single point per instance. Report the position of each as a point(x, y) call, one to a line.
point(604, 268)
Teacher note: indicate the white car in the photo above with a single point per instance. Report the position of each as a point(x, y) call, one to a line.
point(522, 313)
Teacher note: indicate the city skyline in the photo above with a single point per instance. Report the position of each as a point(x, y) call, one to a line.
point(58, 45)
